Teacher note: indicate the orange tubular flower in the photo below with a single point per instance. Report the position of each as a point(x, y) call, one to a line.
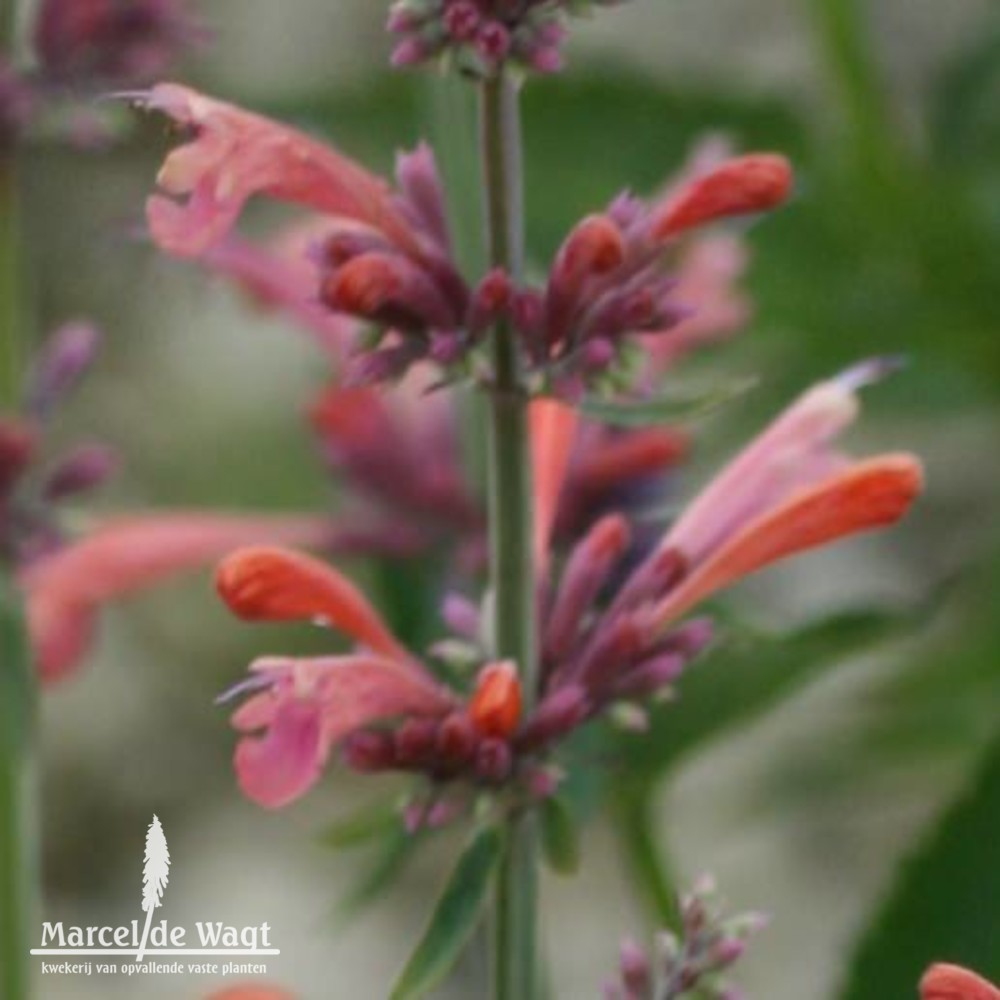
point(753, 183)
point(251, 991)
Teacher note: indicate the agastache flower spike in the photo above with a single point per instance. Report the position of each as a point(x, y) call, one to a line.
point(300, 709)
point(106, 41)
point(481, 36)
point(380, 255)
point(708, 944)
point(789, 491)
point(609, 282)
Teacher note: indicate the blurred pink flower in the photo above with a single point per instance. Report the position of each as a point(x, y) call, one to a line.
point(66, 588)
point(251, 991)
point(107, 41)
point(952, 982)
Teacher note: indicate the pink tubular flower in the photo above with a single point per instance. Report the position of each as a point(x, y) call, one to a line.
point(251, 991)
point(608, 281)
point(789, 491)
point(236, 154)
point(66, 589)
point(301, 709)
point(952, 982)
point(379, 255)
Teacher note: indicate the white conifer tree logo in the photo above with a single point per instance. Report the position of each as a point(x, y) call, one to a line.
point(155, 875)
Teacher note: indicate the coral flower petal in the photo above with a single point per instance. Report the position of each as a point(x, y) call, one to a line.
point(312, 705)
point(236, 154)
point(124, 556)
point(867, 495)
point(746, 184)
point(952, 982)
point(251, 991)
point(495, 707)
point(278, 767)
point(272, 584)
point(553, 433)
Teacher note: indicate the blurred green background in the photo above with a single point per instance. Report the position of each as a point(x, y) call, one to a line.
point(878, 723)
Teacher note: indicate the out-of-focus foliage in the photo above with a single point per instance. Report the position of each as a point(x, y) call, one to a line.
point(944, 905)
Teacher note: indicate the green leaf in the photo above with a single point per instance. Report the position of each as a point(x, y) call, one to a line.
point(394, 852)
point(560, 837)
point(745, 678)
point(944, 903)
point(363, 826)
point(18, 833)
point(454, 918)
point(680, 406)
point(633, 815)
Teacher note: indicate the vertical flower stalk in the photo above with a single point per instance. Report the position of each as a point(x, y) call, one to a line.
point(18, 834)
point(510, 524)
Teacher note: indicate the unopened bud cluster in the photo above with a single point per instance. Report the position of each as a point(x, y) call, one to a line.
point(483, 35)
point(30, 488)
point(693, 962)
point(477, 746)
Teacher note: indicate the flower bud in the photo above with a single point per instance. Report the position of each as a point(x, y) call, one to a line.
point(415, 742)
point(494, 761)
point(495, 708)
point(462, 20)
point(68, 353)
point(85, 468)
point(558, 714)
point(725, 952)
point(456, 739)
point(17, 448)
point(752, 183)
point(635, 970)
point(369, 751)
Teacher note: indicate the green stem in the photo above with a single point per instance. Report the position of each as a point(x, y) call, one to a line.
point(510, 529)
point(18, 834)
point(649, 868)
point(18, 808)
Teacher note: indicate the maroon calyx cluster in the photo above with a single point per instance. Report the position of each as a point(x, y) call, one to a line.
point(697, 958)
point(484, 35)
point(31, 489)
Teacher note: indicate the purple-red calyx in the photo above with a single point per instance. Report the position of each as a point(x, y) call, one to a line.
point(481, 36)
point(610, 640)
point(696, 958)
point(381, 256)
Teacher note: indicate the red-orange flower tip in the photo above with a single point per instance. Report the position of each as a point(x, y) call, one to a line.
point(251, 991)
point(495, 708)
point(262, 583)
point(746, 184)
point(952, 982)
point(595, 246)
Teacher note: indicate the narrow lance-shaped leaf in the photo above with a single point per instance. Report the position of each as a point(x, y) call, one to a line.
point(454, 918)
